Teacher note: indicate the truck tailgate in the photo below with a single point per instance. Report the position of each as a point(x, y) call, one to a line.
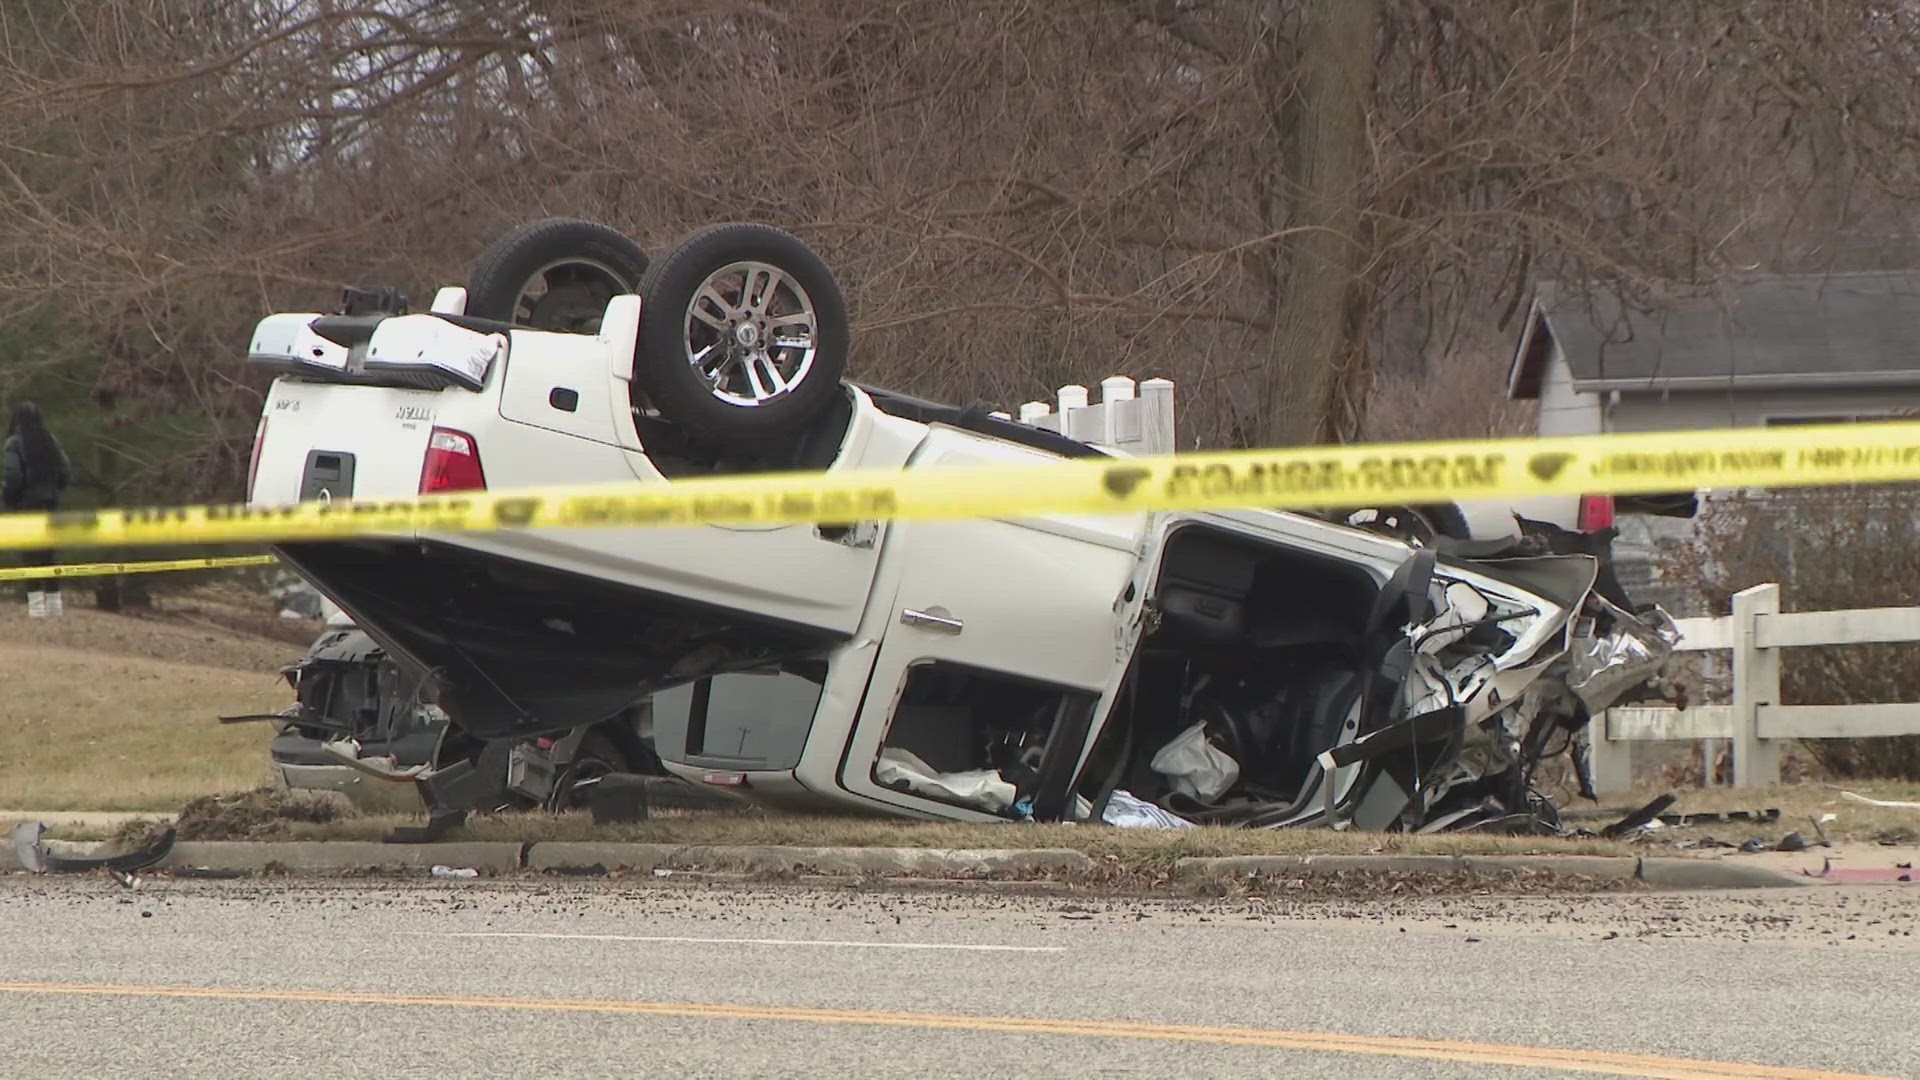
point(334, 441)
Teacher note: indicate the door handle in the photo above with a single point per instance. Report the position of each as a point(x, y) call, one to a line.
point(933, 619)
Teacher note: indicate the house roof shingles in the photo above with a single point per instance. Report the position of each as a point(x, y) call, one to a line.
point(1861, 328)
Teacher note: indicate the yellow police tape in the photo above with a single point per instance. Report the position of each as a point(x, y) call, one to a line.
point(1291, 478)
point(111, 569)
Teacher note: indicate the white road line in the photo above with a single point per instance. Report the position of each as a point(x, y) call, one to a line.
point(926, 945)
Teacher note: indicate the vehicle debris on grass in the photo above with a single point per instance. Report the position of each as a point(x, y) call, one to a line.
point(35, 855)
point(1887, 804)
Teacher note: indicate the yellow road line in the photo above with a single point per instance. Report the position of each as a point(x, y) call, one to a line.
point(1472, 1053)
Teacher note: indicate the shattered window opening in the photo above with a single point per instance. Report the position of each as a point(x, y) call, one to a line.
point(1254, 668)
point(982, 740)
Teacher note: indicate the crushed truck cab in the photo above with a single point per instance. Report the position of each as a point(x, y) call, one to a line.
point(1253, 667)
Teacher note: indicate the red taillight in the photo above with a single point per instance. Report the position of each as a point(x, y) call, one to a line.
point(453, 463)
point(253, 463)
point(1596, 513)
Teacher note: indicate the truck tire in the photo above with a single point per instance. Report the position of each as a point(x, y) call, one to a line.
point(556, 274)
point(743, 335)
point(596, 757)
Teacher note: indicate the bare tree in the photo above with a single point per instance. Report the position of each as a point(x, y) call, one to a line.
point(1284, 207)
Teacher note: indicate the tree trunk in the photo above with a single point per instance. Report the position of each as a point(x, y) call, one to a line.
point(1321, 311)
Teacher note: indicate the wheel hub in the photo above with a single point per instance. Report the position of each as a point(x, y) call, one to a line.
point(750, 333)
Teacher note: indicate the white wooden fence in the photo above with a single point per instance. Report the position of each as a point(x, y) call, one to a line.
point(1756, 722)
point(1137, 418)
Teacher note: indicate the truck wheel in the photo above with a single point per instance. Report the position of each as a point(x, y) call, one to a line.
point(743, 334)
point(556, 274)
point(1416, 524)
point(596, 757)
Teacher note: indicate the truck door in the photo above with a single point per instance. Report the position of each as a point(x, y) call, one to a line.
point(1001, 643)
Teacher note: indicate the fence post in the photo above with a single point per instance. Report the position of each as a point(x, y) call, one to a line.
point(1156, 417)
point(1612, 761)
point(1120, 420)
point(1756, 682)
point(1076, 422)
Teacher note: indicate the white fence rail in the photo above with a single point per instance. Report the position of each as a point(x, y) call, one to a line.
point(1756, 723)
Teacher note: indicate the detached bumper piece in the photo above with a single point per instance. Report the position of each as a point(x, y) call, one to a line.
point(30, 847)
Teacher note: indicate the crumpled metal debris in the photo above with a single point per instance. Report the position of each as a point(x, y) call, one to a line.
point(1640, 819)
point(1601, 667)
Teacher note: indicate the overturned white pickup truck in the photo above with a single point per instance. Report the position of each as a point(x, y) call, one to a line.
point(1253, 667)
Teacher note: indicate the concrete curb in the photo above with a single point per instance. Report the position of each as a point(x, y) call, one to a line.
point(917, 862)
point(1673, 873)
point(239, 856)
point(307, 855)
point(297, 855)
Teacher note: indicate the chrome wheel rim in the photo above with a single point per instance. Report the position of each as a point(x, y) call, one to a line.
point(751, 333)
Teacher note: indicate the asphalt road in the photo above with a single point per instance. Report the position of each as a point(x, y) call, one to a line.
point(674, 978)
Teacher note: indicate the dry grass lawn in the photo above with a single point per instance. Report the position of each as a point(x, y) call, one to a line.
point(117, 712)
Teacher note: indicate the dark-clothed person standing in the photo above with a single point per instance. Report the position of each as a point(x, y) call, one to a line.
point(37, 474)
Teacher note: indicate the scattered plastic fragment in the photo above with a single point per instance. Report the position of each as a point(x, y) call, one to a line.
point(1888, 804)
point(34, 854)
point(1639, 819)
point(455, 872)
point(661, 871)
point(1822, 833)
point(1128, 811)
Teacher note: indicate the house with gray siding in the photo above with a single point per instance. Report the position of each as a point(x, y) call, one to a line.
point(1757, 351)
